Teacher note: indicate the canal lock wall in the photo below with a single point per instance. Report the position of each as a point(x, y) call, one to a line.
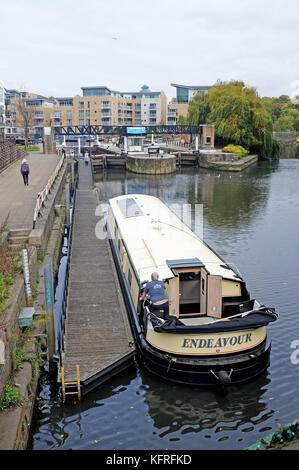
point(44, 247)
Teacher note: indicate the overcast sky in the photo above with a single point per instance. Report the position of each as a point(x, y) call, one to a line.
point(53, 47)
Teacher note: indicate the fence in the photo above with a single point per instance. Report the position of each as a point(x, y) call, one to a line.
point(42, 196)
point(62, 286)
point(9, 153)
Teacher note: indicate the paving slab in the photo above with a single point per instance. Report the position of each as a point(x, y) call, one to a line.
point(17, 201)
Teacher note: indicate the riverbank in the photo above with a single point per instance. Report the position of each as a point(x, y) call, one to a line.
point(221, 161)
point(26, 348)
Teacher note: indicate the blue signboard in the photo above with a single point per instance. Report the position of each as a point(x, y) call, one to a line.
point(136, 130)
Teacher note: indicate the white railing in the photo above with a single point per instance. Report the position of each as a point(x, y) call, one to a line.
point(42, 196)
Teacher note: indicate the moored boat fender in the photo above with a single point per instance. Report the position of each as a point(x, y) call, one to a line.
point(223, 377)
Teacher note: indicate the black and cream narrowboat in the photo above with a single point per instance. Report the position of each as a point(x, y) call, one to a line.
point(215, 333)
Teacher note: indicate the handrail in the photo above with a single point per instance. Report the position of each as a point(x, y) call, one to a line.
point(42, 196)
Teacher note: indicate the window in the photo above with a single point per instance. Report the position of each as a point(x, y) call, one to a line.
point(66, 102)
point(69, 122)
point(129, 207)
point(87, 112)
point(81, 122)
point(182, 95)
point(81, 113)
point(69, 113)
point(87, 122)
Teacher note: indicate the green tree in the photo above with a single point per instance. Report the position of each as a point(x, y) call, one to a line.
point(198, 110)
point(182, 120)
point(284, 124)
point(240, 116)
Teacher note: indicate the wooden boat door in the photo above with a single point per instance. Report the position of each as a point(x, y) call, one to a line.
point(214, 296)
point(173, 291)
point(203, 291)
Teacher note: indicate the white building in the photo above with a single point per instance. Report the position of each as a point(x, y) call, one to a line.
point(2, 111)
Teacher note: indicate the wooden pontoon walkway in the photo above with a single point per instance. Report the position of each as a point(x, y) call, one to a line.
point(97, 332)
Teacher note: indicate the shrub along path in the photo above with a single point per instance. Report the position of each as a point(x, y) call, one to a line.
point(17, 200)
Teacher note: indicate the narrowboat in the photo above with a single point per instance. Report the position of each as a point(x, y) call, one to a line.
point(215, 333)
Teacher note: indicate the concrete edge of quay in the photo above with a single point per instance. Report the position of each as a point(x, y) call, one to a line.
point(238, 165)
point(44, 247)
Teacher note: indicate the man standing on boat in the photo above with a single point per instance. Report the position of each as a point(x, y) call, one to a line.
point(156, 291)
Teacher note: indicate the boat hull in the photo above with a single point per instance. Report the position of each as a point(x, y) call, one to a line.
point(207, 371)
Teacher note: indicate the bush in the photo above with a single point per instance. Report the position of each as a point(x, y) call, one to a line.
point(237, 149)
point(11, 398)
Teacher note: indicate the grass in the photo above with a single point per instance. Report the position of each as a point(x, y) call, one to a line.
point(11, 397)
point(8, 269)
point(30, 148)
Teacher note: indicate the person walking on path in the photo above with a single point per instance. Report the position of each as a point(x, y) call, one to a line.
point(25, 171)
point(86, 158)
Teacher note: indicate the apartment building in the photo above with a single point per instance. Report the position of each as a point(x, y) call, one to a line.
point(38, 110)
point(2, 111)
point(100, 105)
point(179, 106)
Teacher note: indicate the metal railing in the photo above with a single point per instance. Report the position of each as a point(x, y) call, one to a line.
point(43, 195)
point(61, 306)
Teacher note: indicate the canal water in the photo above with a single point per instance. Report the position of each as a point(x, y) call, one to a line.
point(251, 219)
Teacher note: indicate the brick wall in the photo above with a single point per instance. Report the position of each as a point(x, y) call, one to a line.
point(9, 153)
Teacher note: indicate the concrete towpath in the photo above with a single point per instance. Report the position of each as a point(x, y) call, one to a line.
point(17, 200)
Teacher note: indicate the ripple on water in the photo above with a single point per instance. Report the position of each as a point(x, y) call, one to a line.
point(253, 221)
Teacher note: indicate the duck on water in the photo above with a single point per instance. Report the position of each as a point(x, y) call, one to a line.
point(213, 332)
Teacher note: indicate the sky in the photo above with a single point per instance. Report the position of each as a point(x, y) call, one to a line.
point(53, 47)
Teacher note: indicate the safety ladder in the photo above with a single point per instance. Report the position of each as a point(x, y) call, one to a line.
point(66, 384)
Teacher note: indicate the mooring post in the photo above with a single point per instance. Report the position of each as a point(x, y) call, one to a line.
point(49, 302)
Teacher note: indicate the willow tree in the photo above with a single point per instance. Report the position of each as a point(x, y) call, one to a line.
point(240, 116)
point(198, 109)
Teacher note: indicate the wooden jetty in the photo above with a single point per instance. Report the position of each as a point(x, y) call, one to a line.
point(97, 337)
point(103, 161)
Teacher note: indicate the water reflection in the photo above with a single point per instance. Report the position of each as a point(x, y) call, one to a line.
point(138, 411)
point(229, 199)
point(252, 220)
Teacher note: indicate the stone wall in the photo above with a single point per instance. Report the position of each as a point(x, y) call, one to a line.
point(9, 153)
point(145, 164)
point(288, 147)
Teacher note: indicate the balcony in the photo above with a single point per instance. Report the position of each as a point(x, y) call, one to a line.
point(106, 122)
point(57, 122)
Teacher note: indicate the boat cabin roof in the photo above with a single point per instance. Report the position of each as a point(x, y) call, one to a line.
point(157, 240)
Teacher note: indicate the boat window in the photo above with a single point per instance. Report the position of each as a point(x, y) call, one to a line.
point(129, 207)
